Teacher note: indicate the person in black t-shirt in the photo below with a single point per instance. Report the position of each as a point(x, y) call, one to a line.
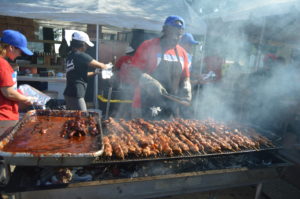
point(77, 71)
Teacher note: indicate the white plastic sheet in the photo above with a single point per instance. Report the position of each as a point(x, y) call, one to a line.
point(40, 99)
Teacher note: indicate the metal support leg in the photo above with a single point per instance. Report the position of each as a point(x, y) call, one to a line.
point(5, 173)
point(258, 190)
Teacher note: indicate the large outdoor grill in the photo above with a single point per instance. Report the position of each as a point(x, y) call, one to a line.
point(144, 174)
point(148, 179)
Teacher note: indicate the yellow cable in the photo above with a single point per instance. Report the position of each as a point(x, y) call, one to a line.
point(103, 99)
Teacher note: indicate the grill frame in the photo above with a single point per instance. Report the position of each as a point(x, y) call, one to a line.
point(153, 186)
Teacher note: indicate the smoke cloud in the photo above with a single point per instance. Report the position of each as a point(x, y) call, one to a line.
point(254, 88)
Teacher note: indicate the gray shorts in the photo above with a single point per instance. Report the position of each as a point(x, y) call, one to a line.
point(74, 103)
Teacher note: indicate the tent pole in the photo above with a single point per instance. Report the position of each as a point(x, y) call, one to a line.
point(203, 53)
point(96, 76)
point(262, 35)
point(197, 94)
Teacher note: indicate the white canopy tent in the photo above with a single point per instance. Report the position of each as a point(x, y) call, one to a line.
point(132, 14)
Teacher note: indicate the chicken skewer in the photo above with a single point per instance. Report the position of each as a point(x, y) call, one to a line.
point(152, 138)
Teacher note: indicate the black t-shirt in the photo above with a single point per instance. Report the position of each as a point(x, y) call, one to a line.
point(77, 68)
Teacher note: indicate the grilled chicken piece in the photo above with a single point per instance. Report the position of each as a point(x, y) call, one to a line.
point(150, 138)
point(175, 148)
point(133, 147)
point(223, 143)
point(207, 146)
point(166, 149)
point(148, 152)
point(183, 146)
point(118, 151)
point(191, 145)
point(263, 141)
point(164, 142)
point(117, 148)
point(107, 147)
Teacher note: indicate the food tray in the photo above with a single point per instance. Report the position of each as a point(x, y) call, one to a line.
point(56, 158)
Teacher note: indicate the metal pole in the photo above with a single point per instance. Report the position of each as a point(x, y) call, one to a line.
point(258, 190)
point(197, 95)
point(203, 52)
point(262, 34)
point(96, 76)
point(108, 102)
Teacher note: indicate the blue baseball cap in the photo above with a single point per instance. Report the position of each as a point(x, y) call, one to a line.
point(175, 21)
point(16, 39)
point(188, 38)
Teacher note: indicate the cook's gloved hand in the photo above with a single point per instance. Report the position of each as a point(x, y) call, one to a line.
point(186, 90)
point(151, 85)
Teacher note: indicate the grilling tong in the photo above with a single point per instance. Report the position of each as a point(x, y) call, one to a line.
point(177, 99)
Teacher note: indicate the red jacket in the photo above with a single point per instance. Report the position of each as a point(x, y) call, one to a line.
point(122, 66)
point(214, 63)
point(147, 58)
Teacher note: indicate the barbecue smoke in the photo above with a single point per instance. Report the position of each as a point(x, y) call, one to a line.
point(261, 98)
point(259, 83)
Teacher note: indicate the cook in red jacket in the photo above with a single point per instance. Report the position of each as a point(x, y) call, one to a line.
point(161, 66)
